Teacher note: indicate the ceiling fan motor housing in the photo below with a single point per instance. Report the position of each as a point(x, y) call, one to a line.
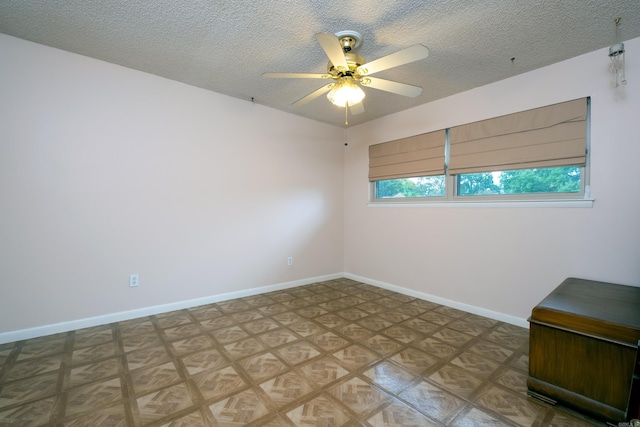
point(349, 40)
point(353, 61)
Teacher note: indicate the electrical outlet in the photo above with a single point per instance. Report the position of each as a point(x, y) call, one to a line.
point(290, 261)
point(133, 280)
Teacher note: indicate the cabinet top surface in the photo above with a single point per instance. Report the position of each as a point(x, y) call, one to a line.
point(616, 308)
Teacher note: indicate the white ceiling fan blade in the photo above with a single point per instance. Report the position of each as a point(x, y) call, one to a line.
point(391, 86)
point(295, 76)
point(331, 46)
point(357, 109)
point(401, 57)
point(313, 95)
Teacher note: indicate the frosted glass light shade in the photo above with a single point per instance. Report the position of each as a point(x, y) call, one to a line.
point(345, 93)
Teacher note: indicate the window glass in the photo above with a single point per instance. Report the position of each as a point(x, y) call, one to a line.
point(424, 186)
point(564, 179)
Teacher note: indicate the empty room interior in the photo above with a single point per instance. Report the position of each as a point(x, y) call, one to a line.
point(184, 241)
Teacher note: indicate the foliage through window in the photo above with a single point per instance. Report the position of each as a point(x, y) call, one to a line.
point(523, 181)
point(425, 186)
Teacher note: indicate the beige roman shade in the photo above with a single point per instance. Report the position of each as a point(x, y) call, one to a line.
point(420, 155)
point(550, 136)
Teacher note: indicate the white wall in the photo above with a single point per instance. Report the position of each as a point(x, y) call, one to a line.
point(106, 171)
point(507, 259)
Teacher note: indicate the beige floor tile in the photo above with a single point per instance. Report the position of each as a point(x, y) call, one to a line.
point(319, 412)
point(358, 395)
point(30, 414)
point(399, 415)
point(84, 374)
point(163, 403)
point(390, 376)
point(287, 388)
point(146, 380)
point(218, 383)
point(324, 371)
point(238, 409)
point(432, 400)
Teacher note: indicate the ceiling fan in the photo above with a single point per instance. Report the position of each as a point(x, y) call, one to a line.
point(347, 71)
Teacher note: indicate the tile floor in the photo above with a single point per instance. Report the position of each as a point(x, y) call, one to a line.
point(328, 354)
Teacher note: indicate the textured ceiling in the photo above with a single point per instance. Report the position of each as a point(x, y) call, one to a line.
point(226, 45)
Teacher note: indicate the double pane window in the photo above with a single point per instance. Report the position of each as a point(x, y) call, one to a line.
point(537, 153)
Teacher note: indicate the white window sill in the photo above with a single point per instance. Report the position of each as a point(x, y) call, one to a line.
point(553, 203)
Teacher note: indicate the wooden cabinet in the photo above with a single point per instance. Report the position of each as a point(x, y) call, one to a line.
point(584, 348)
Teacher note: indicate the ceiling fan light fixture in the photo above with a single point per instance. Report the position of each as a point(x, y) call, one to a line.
point(345, 92)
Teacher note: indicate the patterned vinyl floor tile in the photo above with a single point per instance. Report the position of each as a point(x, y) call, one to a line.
point(104, 416)
point(90, 338)
point(277, 337)
point(239, 409)
point(193, 344)
point(358, 395)
point(287, 388)
point(319, 412)
point(30, 414)
point(193, 419)
point(34, 366)
point(163, 403)
point(218, 383)
point(456, 380)
point(521, 410)
point(432, 400)
point(390, 376)
point(329, 341)
point(94, 395)
point(241, 349)
point(156, 377)
point(381, 344)
point(298, 352)
point(478, 365)
point(414, 360)
point(172, 319)
point(400, 415)
point(478, 418)
point(29, 389)
point(263, 366)
point(324, 371)
point(335, 353)
point(401, 333)
point(41, 347)
point(93, 372)
point(181, 332)
point(205, 360)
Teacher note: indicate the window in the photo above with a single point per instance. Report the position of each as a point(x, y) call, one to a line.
point(530, 155)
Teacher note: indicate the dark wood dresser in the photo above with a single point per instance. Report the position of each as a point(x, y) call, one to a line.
point(583, 353)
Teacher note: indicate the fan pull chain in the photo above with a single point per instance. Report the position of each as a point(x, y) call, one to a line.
point(346, 123)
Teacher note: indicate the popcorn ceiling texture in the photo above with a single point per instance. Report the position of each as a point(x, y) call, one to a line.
point(225, 46)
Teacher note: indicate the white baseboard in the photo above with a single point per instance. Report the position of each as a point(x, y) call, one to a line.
point(72, 325)
point(443, 301)
point(40, 331)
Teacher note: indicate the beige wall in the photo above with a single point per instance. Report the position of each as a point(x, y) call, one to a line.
point(507, 259)
point(106, 171)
